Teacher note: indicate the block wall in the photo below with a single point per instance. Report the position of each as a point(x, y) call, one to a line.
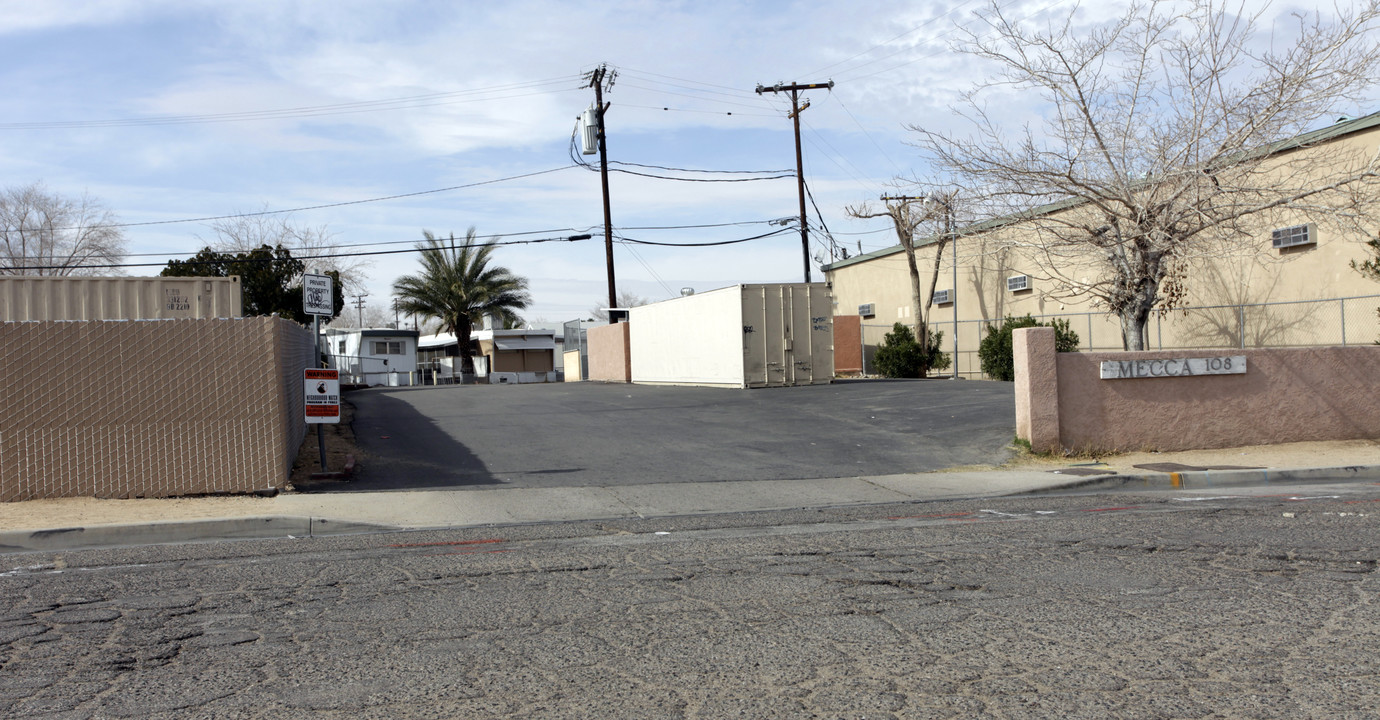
point(149, 408)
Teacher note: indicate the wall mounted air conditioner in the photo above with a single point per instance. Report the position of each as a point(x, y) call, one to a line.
point(868, 310)
point(943, 297)
point(1017, 283)
point(1293, 236)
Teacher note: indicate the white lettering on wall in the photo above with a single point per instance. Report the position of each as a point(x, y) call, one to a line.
point(1173, 367)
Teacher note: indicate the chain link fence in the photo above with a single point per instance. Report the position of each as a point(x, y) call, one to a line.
point(1302, 323)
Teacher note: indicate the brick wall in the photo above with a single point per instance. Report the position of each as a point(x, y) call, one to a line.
point(149, 408)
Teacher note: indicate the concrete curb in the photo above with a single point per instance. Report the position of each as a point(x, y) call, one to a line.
point(180, 531)
point(504, 507)
point(1203, 479)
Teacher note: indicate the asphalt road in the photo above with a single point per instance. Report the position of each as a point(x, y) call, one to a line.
point(1146, 606)
point(576, 434)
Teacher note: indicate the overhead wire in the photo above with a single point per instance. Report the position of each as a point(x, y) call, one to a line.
point(766, 174)
point(4, 270)
point(403, 103)
point(323, 206)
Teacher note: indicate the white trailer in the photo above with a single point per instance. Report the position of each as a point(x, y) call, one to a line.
point(744, 336)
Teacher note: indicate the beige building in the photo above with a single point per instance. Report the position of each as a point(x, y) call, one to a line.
point(1290, 285)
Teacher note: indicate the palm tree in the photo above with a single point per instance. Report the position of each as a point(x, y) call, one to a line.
point(457, 287)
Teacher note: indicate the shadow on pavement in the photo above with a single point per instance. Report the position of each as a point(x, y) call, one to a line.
point(405, 450)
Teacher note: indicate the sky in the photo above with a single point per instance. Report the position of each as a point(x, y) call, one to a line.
point(378, 120)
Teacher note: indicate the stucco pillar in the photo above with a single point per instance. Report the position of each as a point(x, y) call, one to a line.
point(1037, 388)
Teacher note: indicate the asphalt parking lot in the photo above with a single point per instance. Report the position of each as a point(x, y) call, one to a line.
point(581, 434)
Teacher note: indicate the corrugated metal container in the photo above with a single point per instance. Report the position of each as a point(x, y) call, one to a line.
point(740, 336)
point(32, 297)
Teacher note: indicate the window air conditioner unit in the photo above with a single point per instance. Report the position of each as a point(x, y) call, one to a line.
point(1017, 283)
point(1293, 236)
point(943, 297)
point(867, 310)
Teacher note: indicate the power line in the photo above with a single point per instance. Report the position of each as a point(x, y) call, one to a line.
point(409, 102)
point(911, 31)
point(665, 108)
point(866, 134)
point(262, 213)
point(706, 244)
point(575, 158)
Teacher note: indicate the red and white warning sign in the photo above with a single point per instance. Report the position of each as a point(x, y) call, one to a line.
point(322, 395)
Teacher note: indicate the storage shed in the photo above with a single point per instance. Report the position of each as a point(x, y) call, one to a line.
point(745, 336)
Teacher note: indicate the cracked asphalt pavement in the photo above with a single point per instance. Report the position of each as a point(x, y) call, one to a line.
point(1136, 606)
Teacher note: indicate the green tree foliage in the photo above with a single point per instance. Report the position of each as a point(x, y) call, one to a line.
point(900, 356)
point(270, 279)
point(458, 287)
point(996, 355)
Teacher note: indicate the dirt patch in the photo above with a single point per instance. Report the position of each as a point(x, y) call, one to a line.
point(1333, 453)
point(340, 448)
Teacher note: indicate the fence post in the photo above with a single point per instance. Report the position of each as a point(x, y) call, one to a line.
point(862, 345)
point(1241, 324)
point(1342, 303)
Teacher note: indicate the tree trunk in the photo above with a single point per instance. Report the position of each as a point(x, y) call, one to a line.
point(934, 281)
point(922, 334)
point(1135, 318)
point(462, 339)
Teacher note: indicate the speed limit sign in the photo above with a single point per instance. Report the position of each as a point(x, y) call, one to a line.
point(317, 295)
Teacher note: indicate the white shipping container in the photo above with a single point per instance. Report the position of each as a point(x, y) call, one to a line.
point(34, 297)
point(767, 335)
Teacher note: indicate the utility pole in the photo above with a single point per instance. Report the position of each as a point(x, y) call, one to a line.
point(359, 303)
point(796, 109)
point(596, 81)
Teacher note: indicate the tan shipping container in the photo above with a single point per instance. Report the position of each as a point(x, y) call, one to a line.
point(33, 297)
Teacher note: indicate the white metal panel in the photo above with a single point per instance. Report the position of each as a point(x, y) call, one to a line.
point(692, 340)
point(790, 341)
point(821, 305)
point(32, 297)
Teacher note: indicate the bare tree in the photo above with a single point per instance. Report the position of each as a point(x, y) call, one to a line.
point(43, 233)
point(625, 300)
point(905, 219)
point(246, 232)
point(1171, 136)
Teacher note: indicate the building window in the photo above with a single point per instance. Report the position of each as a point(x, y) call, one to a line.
point(388, 347)
point(341, 351)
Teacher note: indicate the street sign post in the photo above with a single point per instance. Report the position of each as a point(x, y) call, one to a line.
point(318, 300)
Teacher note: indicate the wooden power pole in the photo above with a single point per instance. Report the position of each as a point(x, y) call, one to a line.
point(796, 109)
point(596, 81)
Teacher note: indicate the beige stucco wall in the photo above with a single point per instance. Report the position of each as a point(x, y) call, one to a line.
point(1286, 395)
point(572, 366)
point(1264, 275)
point(149, 408)
point(609, 359)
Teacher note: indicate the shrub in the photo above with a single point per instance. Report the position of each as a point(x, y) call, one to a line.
point(996, 354)
point(899, 354)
